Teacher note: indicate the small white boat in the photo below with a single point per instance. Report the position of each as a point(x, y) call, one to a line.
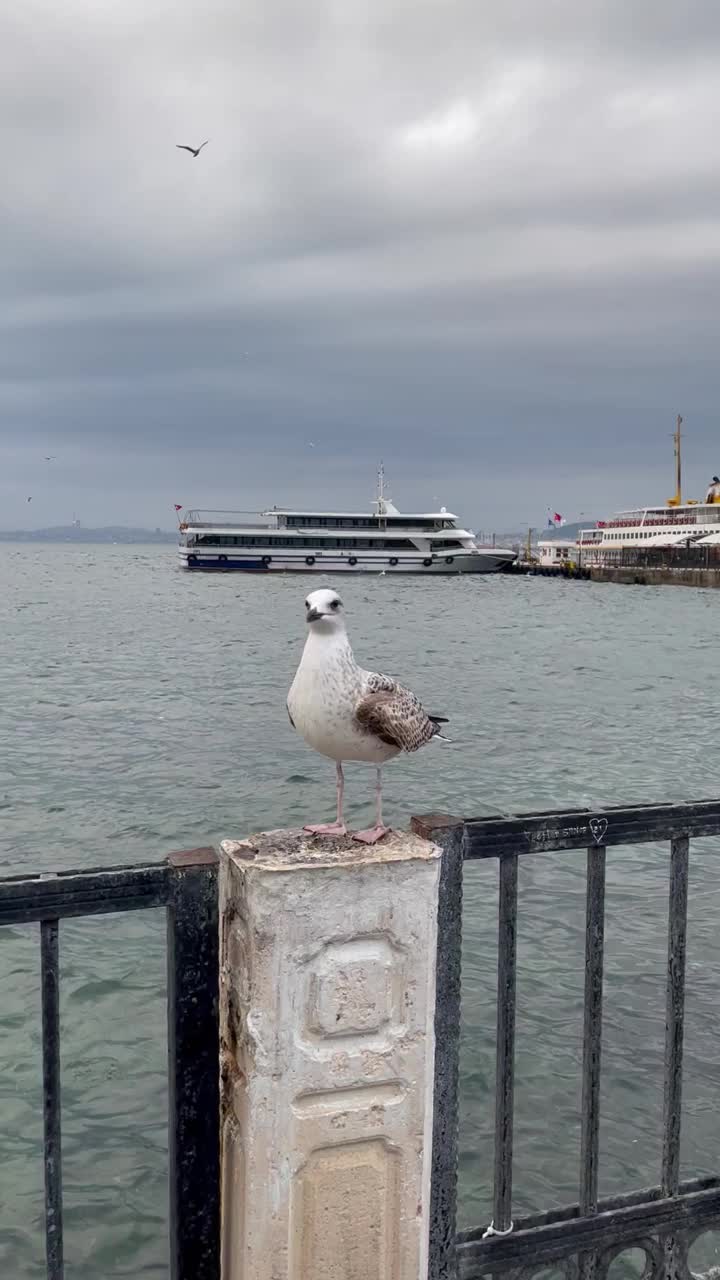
point(383, 540)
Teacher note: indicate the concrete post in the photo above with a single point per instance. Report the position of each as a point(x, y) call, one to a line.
point(327, 1004)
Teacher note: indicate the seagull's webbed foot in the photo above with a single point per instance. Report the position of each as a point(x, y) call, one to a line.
point(327, 829)
point(372, 835)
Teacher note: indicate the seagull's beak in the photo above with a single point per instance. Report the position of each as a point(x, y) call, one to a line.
point(312, 615)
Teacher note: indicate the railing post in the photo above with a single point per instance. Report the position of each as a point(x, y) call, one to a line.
point(447, 832)
point(505, 1043)
point(50, 983)
point(194, 1065)
point(328, 954)
point(675, 1245)
point(592, 1045)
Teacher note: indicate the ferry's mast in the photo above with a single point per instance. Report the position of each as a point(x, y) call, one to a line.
point(380, 501)
point(678, 463)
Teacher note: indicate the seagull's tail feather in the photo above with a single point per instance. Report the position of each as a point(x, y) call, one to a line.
point(436, 721)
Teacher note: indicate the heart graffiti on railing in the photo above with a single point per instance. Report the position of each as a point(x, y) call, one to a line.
point(598, 827)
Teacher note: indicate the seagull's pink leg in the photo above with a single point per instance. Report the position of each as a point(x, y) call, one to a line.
point(337, 828)
point(373, 834)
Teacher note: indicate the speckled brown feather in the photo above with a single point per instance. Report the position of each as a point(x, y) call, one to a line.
point(394, 715)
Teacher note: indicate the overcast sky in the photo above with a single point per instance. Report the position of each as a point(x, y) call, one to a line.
point(480, 240)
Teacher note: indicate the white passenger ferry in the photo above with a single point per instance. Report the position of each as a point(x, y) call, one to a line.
point(674, 524)
point(381, 541)
point(693, 524)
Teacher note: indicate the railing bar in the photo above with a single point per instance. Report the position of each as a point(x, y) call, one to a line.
point(675, 1014)
point(50, 989)
point(55, 897)
point(60, 910)
point(592, 1029)
point(608, 1204)
point(554, 1240)
point(116, 870)
point(577, 829)
point(505, 1052)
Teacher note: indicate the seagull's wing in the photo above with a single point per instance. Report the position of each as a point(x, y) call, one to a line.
point(181, 147)
point(393, 714)
point(202, 144)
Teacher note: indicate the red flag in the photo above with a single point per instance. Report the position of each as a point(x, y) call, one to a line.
point(178, 506)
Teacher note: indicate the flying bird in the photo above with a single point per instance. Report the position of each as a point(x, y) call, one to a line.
point(50, 459)
point(29, 499)
point(195, 151)
point(346, 713)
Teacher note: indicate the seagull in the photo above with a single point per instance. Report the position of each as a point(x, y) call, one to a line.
point(50, 459)
point(29, 499)
point(195, 151)
point(346, 713)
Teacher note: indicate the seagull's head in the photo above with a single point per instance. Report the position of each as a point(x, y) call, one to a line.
point(324, 610)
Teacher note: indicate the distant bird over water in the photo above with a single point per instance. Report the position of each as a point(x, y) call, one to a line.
point(347, 713)
point(194, 151)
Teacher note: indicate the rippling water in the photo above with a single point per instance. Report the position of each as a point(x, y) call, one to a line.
point(143, 711)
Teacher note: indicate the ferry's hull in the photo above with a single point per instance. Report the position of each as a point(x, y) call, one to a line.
point(489, 561)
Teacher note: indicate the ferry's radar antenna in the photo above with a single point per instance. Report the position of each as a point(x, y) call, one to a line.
point(381, 490)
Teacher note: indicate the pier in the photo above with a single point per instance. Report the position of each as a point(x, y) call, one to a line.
point(684, 566)
point(313, 1034)
point(637, 566)
point(533, 569)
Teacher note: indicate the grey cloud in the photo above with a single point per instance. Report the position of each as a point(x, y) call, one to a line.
point(490, 225)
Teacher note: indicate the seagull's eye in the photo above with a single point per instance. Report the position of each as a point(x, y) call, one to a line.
point(307, 604)
point(334, 604)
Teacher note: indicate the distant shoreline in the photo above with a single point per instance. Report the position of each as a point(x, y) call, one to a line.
point(112, 534)
point(122, 535)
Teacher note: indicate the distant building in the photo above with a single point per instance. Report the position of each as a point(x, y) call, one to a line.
point(556, 552)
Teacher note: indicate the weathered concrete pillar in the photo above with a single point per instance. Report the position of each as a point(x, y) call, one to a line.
point(327, 1004)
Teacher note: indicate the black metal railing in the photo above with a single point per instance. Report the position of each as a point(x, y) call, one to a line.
point(582, 1239)
point(186, 885)
point(579, 1240)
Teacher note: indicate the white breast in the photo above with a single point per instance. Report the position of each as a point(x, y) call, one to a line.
point(322, 702)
